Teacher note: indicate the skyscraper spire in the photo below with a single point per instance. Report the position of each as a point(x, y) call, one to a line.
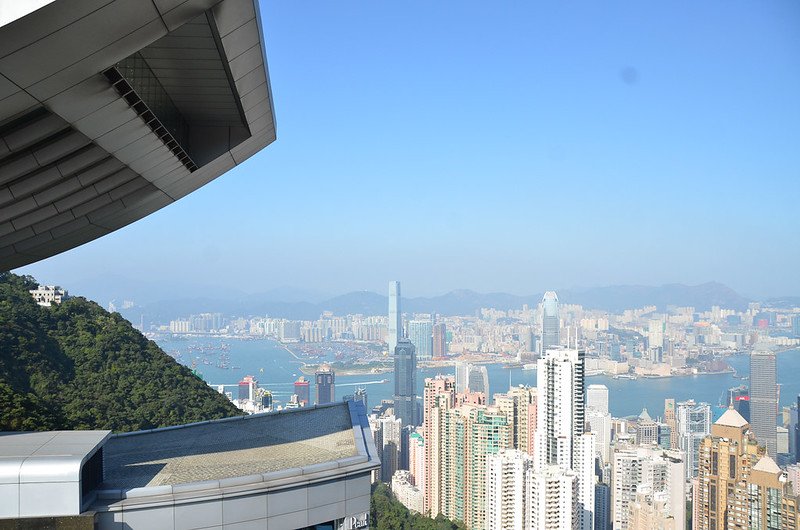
point(550, 321)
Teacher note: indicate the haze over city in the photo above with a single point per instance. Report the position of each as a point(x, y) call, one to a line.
point(392, 265)
point(514, 148)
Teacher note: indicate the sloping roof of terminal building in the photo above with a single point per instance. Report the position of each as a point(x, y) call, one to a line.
point(230, 448)
point(89, 144)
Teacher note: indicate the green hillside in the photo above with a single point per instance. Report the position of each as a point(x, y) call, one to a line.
point(77, 366)
point(387, 513)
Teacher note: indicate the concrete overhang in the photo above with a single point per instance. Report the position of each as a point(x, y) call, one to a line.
point(46, 473)
point(112, 109)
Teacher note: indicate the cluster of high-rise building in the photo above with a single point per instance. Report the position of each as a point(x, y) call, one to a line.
point(249, 396)
point(552, 456)
point(252, 398)
point(202, 323)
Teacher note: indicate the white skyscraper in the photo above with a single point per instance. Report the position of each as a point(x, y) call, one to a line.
point(506, 501)
point(553, 498)
point(597, 397)
point(561, 423)
point(655, 333)
point(472, 378)
point(598, 420)
point(653, 469)
point(694, 423)
point(583, 466)
point(395, 316)
point(551, 322)
point(560, 406)
point(599, 423)
point(420, 333)
point(462, 376)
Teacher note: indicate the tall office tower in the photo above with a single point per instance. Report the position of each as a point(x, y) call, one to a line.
point(599, 423)
point(506, 477)
point(420, 333)
point(405, 382)
point(728, 485)
point(694, 423)
point(561, 423)
point(519, 406)
point(739, 397)
point(652, 469)
point(655, 333)
point(326, 379)
point(669, 420)
point(646, 429)
point(526, 340)
point(390, 428)
point(478, 380)
point(602, 506)
point(764, 398)
point(551, 322)
point(597, 397)
point(395, 316)
point(301, 389)
point(664, 436)
point(439, 396)
point(796, 326)
point(796, 435)
point(553, 497)
point(439, 340)
point(247, 388)
point(462, 376)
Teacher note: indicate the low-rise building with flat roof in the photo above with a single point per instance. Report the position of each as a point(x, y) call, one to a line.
point(304, 468)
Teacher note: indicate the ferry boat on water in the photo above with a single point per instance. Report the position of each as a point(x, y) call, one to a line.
point(529, 366)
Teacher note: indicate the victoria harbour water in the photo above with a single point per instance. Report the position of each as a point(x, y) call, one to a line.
point(276, 369)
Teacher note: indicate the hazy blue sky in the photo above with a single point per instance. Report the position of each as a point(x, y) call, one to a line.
point(511, 146)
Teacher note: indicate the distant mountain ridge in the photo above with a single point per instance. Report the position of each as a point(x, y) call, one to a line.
point(459, 302)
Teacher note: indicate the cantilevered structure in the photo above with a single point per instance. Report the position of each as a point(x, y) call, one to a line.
point(301, 468)
point(113, 109)
point(110, 110)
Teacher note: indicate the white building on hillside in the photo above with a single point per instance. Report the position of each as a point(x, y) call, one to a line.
point(47, 295)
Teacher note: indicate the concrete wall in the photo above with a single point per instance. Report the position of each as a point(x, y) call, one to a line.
point(240, 508)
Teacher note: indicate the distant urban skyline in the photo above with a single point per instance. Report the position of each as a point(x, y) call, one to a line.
point(107, 287)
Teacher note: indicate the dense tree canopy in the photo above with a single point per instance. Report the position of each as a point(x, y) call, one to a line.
point(387, 513)
point(77, 366)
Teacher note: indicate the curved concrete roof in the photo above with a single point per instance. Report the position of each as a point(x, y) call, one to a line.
point(112, 109)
